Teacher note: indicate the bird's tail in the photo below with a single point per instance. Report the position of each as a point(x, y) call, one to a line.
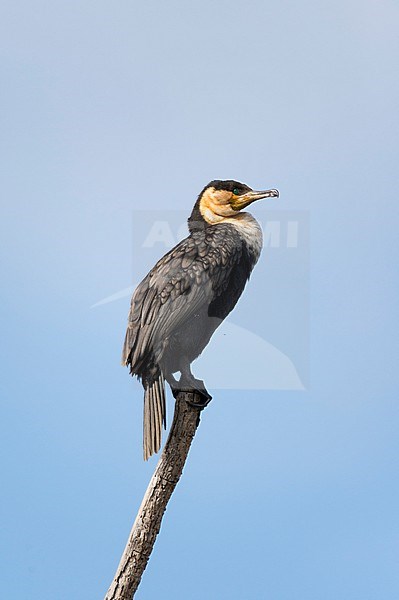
point(154, 415)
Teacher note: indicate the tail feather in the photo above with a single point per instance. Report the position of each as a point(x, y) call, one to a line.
point(154, 416)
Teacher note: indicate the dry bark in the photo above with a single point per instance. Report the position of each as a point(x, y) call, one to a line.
point(148, 521)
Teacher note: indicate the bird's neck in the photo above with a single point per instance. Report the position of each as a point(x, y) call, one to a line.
point(250, 232)
point(196, 221)
point(246, 225)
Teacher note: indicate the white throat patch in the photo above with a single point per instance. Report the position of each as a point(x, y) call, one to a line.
point(249, 230)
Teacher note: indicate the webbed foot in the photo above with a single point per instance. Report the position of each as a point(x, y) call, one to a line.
point(190, 384)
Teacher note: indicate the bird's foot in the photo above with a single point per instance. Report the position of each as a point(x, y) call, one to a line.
point(192, 385)
point(204, 400)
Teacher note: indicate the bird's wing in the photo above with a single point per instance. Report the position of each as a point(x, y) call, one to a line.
point(187, 278)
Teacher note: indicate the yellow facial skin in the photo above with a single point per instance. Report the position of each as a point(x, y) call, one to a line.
point(217, 205)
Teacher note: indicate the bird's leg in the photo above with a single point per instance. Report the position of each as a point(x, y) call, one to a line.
point(188, 383)
point(174, 384)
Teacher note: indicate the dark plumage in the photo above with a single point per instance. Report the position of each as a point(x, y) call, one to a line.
point(179, 304)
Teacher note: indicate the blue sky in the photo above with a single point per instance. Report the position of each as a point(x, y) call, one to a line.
point(111, 108)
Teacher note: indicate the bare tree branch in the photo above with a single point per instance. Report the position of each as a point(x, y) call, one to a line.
point(148, 521)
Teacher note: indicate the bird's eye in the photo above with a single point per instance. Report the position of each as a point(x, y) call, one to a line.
point(236, 192)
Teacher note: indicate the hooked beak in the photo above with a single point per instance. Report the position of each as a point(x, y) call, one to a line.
point(239, 202)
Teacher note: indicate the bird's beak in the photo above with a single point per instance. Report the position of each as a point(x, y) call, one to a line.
point(239, 202)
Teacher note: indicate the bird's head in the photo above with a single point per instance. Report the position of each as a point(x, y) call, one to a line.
point(220, 200)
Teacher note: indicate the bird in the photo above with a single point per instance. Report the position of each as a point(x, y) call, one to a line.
point(187, 294)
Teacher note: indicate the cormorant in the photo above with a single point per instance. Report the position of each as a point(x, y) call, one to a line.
point(184, 298)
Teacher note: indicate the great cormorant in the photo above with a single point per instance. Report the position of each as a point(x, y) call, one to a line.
point(184, 298)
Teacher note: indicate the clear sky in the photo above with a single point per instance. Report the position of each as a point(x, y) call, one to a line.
point(112, 107)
